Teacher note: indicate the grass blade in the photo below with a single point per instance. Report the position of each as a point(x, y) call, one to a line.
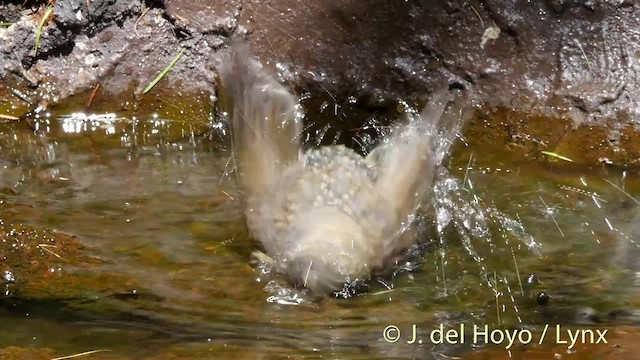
point(164, 72)
point(557, 156)
point(39, 31)
point(5, 24)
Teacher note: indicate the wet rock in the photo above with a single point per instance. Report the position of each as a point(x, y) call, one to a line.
point(567, 58)
point(205, 16)
point(121, 45)
point(559, 58)
point(48, 265)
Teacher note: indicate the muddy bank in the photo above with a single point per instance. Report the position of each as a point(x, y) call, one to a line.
point(570, 60)
point(119, 45)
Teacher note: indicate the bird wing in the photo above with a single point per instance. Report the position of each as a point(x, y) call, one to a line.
point(406, 164)
point(266, 123)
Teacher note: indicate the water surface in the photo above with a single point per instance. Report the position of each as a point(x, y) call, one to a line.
point(151, 198)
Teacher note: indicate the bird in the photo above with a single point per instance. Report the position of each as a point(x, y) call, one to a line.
point(325, 216)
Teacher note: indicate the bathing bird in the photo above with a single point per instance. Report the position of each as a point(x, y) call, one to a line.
point(326, 217)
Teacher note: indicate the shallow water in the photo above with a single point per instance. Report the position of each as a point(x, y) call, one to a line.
point(153, 198)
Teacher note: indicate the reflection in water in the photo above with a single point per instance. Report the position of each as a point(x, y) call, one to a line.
point(153, 199)
point(80, 122)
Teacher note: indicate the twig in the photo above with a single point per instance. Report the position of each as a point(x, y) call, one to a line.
point(9, 117)
point(478, 15)
point(44, 247)
point(93, 95)
point(228, 195)
point(135, 25)
point(584, 54)
point(80, 354)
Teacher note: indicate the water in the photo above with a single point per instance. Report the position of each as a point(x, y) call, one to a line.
point(157, 260)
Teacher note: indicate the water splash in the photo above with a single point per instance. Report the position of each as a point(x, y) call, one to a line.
point(476, 222)
point(283, 295)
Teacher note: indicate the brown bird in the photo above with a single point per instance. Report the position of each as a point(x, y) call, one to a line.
point(328, 216)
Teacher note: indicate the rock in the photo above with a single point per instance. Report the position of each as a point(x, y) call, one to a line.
point(563, 58)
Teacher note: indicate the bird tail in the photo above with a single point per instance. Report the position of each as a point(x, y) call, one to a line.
point(266, 122)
